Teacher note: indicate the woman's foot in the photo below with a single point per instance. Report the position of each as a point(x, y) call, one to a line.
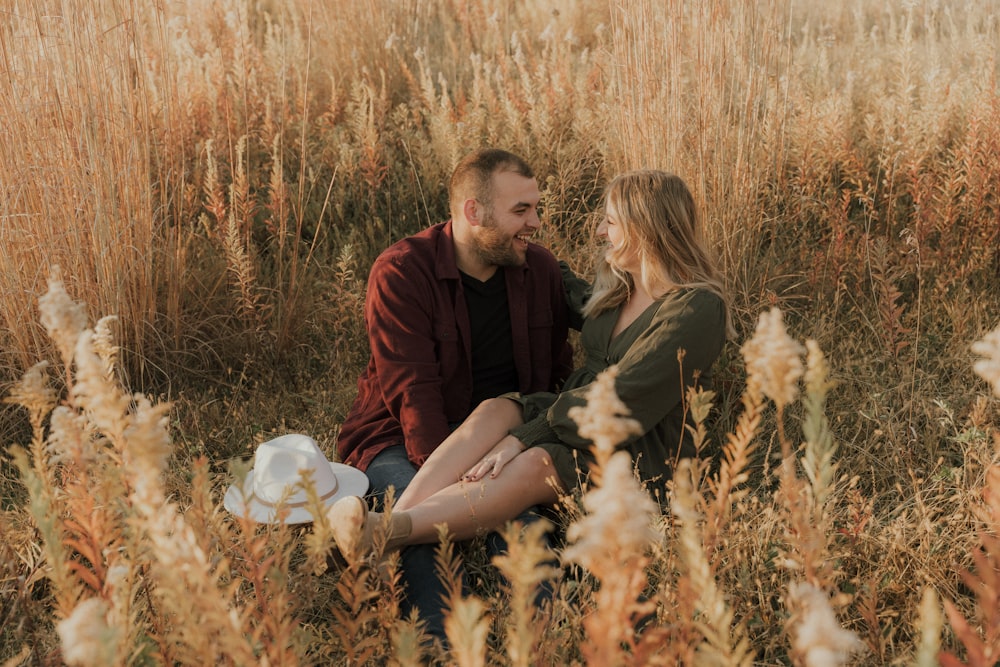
point(349, 524)
point(353, 527)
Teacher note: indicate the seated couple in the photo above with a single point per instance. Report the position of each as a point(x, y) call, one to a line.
point(656, 291)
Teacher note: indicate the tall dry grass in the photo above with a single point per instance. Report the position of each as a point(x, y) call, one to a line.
point(77, 157)
point(220, 175)
point(701, 92)
point(135, 578)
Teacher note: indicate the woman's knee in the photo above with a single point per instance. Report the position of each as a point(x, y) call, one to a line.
point(537, 465)
point(499, 405)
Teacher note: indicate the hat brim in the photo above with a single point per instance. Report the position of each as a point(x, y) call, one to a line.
point(243, 503)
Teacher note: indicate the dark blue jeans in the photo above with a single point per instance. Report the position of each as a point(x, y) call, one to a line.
point(424, 590)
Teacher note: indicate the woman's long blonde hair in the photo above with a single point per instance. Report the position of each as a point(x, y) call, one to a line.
point(661, 228)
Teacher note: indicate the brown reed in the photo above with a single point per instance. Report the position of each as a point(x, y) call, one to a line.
point(845, 158)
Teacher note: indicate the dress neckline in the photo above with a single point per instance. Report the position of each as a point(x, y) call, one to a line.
point(612, 337)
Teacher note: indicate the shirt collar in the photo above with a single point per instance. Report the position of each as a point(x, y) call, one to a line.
point(446, 266)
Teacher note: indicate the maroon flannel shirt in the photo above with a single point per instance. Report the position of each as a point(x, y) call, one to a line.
point(419, 376)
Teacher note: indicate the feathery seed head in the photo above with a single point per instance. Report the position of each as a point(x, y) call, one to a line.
point(988, 367)
point(34, 392)
point(774, 359)
point(63, 318)
point(149, 447)
point(605, 420)
point(817, 368)
point(85, 635)
point(929, 624)
point(818, 638)
point(104, 343)
point(94, 389)
point(619, 513)
point(70, 437)
point(467, 627)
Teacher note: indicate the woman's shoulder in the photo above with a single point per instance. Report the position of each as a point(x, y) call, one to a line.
point(701, 308)
point(696, 298)
point(693, 318)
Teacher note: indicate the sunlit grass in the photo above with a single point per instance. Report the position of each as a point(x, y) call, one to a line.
point(220, 175)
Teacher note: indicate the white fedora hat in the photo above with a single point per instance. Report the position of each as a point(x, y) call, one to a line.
point(275, 481)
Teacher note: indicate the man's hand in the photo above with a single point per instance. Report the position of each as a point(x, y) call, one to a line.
point(495, 459)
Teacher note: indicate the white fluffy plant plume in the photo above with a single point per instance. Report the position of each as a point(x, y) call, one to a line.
point(619, 512)
point(85, 635)
point(774, 359)
point(619, 518)
point(614, 537)
point(818, 640)
point(774, 365)
point(96, 485)
point(63, 318)
point(988, 365)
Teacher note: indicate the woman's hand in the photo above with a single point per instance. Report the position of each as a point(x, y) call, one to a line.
point(495, 459)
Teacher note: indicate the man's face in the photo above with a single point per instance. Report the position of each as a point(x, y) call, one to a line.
point(502, 236)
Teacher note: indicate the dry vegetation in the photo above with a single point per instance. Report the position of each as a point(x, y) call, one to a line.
point(218, 176)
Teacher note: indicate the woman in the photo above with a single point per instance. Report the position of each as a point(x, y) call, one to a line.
point(657, 291)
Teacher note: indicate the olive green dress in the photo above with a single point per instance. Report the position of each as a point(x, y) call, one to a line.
point(651, 382)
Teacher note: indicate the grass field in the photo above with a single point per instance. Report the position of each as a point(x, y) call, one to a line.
point(192, 193)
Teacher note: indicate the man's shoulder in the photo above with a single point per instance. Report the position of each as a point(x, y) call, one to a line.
point(416, 249)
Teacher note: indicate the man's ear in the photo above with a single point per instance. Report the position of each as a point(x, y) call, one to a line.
point(472, 209)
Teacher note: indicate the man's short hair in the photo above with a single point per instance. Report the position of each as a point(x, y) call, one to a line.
point(473, 176)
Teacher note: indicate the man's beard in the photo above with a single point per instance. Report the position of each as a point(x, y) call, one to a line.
point(495, 248)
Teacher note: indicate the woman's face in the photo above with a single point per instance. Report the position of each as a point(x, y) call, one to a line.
point(610, 230)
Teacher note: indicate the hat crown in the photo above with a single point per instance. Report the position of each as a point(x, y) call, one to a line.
point(274, 490)
point(279, 468)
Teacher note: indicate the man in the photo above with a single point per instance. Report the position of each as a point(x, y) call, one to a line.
point(465, 310)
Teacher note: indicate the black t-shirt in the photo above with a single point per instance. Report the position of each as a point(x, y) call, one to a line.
point(493, 371)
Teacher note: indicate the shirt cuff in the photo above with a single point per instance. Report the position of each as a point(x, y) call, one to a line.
point(535, 432)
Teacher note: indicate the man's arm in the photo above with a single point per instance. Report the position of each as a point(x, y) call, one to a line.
point(651, 380)
point(577, 291)
point(404, 348)
point(562, 351)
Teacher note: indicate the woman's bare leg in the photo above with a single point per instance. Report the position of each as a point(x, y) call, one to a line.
point(474, 508)
point(467, 444)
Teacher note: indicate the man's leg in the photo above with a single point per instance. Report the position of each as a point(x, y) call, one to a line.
point(496, 545)
point(423, 589)
point(390, 467)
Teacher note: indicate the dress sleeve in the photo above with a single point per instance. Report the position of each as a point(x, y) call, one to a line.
point(651, 380)
point(401, 338)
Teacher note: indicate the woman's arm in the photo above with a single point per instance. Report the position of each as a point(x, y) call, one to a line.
point(495, 459)
point(651, 379)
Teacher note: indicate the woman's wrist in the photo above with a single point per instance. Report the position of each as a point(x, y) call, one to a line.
point(516, 442)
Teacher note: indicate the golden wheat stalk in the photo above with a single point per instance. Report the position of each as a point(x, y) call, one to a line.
point(820, 446)
point(102, 421)
point(613, 539)
point(725, 641)
point(525, 566)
